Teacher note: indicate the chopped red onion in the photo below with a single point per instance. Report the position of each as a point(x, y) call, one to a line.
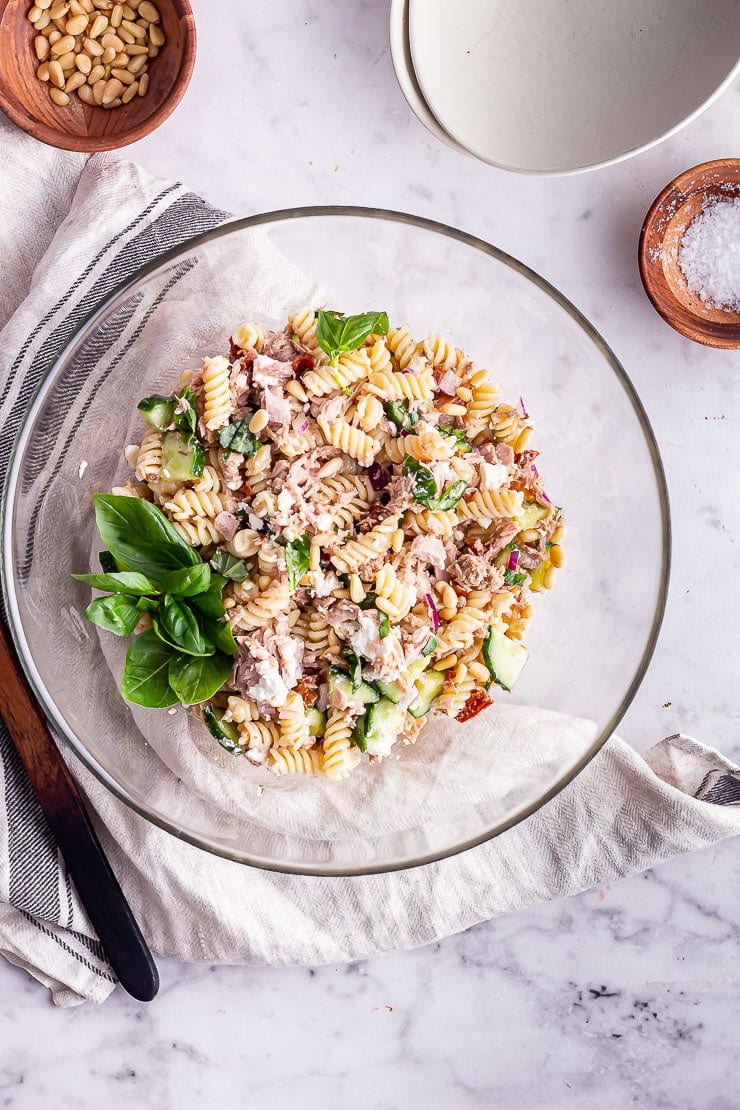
point(433, 612)
point(521, 409)
point(300, 423)
point(379, 477)
point(545, 498)
point(534, 470)
point(513, 562)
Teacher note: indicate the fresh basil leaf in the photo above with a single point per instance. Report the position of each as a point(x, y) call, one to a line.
point(398, 413)
point(108, 564)
point(355, 668)
point(298, 559)
point(337, 334)
point(449, 498)
point(177, 625)
point(430, 645)
point(188, 581)
point(115, 613)
point(145, 676)
point(368, 602)
point(219, 630)
point(237, 437)
point(120, 582)
point(230, 566)
point(458, 434)
point(147, 604)
point(514, 577)
point(186, 419)
point(424, 487)
point(197, 679)
point(140, 537)
point(359, 738)
point(384, 625)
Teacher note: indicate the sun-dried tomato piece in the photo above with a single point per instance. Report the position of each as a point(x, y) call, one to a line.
point(302, 363)
point(306, 688)
point(477, 701)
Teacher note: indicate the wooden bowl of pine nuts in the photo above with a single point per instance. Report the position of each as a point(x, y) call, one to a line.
point(94, 75)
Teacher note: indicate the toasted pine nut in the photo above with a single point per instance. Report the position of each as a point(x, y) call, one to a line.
point(44, 4)
point(113, 89)
point(35, 14)
point(548, 578)
point(529, 535)
point(116, 15)
point(133, 28)
point(60, 24)
point(397, 540)
point(479, 672)
point(108, 55)
point(260, 420)
point(148, 12)
point(135, 65)
point(97, 27)
point(59, 97)
point(356, 589)
point(446, 663)
point(76, 25)
point(54, 36)
point(296, 390)
point(110, 39)
point(153, 51)
point(127, 37)
point(93, 48)
point(98, 89)
point(133, 50)
point(120, 60)
point(43, 21)
point(103, 5)
point(523, 439)
point(63, 45)
point(143, 84)
point(67, 61)
point(559, 532)
point(87, 5)
point(57, 11)
point(41, 46)
point(130, 92)
point(83, 63)
point(464, 393)
point(76, 8)
point(156, 35)
point(76, 81)
point(96, 74)
point(85, 94)
point(56, 74)
point(556, 555)
point(333, 466)
point(129, 12)
point(43, 71)
point(113, 104)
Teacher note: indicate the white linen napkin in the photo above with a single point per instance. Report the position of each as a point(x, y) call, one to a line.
point(71, 230)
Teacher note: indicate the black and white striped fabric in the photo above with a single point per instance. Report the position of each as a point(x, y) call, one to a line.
point(70, 231)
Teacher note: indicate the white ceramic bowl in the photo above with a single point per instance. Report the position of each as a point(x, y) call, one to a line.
point(557, 88)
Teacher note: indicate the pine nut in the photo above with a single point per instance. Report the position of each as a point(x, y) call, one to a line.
point(143, 84)
point(83, 63)
point(156, 35)
point(43, 72)
point(44, 4)
point(97, 73)
point(56, 74)
point(113, 89)
point(58, 10)
point(556, 555)
point(397, 540)
point(108, 55)
point(103, 5)
point(63, 45)
point(76, 25)
point(116, 15)
point(98, 26)
point(133, 28)
point(130, 92)
point(148, 12)
point(123, 76)
point(98, 89)
point(60, 24)
point(135, 51)
point(59, 97)
point(296, 390)
point(67, 61)
point(446, 663)
point(41, 46)
point(259, 421)
point(464, 393)
point(112, 40)
point(44, 21)
point(114, 103)
point(93, 48)
point(548, 578)
point(87, 5)
point(153, 51)
point(333, 466)
point(127, 37)
point(76, 8)
point(120, 61)
point(54, 36)
point(356, 589)
point(35, 14)
point(85, 94)
point(136, 65)
point(128, 11)
point(559, 533)
point(76, 81)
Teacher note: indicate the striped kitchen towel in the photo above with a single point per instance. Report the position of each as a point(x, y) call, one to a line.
point(72, 229)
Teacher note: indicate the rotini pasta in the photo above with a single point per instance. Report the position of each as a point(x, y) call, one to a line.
point(217, 393)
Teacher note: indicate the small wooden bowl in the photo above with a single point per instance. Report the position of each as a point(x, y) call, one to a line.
point(660, 239)
point(79, 126)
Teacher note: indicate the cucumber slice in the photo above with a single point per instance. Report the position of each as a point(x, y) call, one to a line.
point(364, 694)
point(504, 658)
point(383, 722)
point(429, 686)
point(316, 722)
point(225, 732)
point(393, 691)
point(537, 576)
point(358, 733)
point(531, 515)
point(181, 462)
point(157, 411)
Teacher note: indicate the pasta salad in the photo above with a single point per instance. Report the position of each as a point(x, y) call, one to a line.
point(332, 533)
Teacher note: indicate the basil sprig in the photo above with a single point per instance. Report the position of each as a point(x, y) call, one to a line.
point(337, 334)
point(398, 413)
point(458, 435)
point(237, 437)
point(424, 489)
point(513, 577)
point(187, 654)
point(231, 566)
point(297, 559)
point(186, 418)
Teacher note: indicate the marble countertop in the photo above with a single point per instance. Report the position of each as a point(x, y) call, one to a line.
point(617, 997)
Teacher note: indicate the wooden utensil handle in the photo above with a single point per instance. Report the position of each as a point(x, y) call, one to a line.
point(83, 854)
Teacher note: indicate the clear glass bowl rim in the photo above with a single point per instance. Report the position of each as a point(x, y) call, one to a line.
point(193, 243)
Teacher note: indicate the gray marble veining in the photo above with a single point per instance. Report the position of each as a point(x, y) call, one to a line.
point(621, 997)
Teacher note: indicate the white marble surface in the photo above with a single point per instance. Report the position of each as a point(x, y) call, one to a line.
point(617, 997)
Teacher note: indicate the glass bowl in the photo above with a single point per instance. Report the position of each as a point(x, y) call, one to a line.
point(592, 636)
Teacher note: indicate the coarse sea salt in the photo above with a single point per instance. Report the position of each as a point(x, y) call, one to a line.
point(709, 255)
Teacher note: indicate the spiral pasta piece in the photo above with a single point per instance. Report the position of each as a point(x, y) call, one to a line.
point(392, 597)
point(392, 385)
point(149, 457)
point(209, 481)
point(461, 631)
point(188, 503)
point(353, 441)
point(374, 543)
point(217, 403)
point(240, 709)
point(294, 761)
point(423, 522)
point(489, 504)
point(248, 336)
point(199, 531)
point(380, 357)
point(428, 445)
point(441, 352)
point(303, 326)
point(352, 367)
point(339, 757)
point(293, 723)
point(263, 608)
point(402, 345)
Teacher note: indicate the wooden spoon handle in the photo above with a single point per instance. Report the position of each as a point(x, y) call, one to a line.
point(86, 862)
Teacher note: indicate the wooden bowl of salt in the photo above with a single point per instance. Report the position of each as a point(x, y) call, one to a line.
point(689, 253)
